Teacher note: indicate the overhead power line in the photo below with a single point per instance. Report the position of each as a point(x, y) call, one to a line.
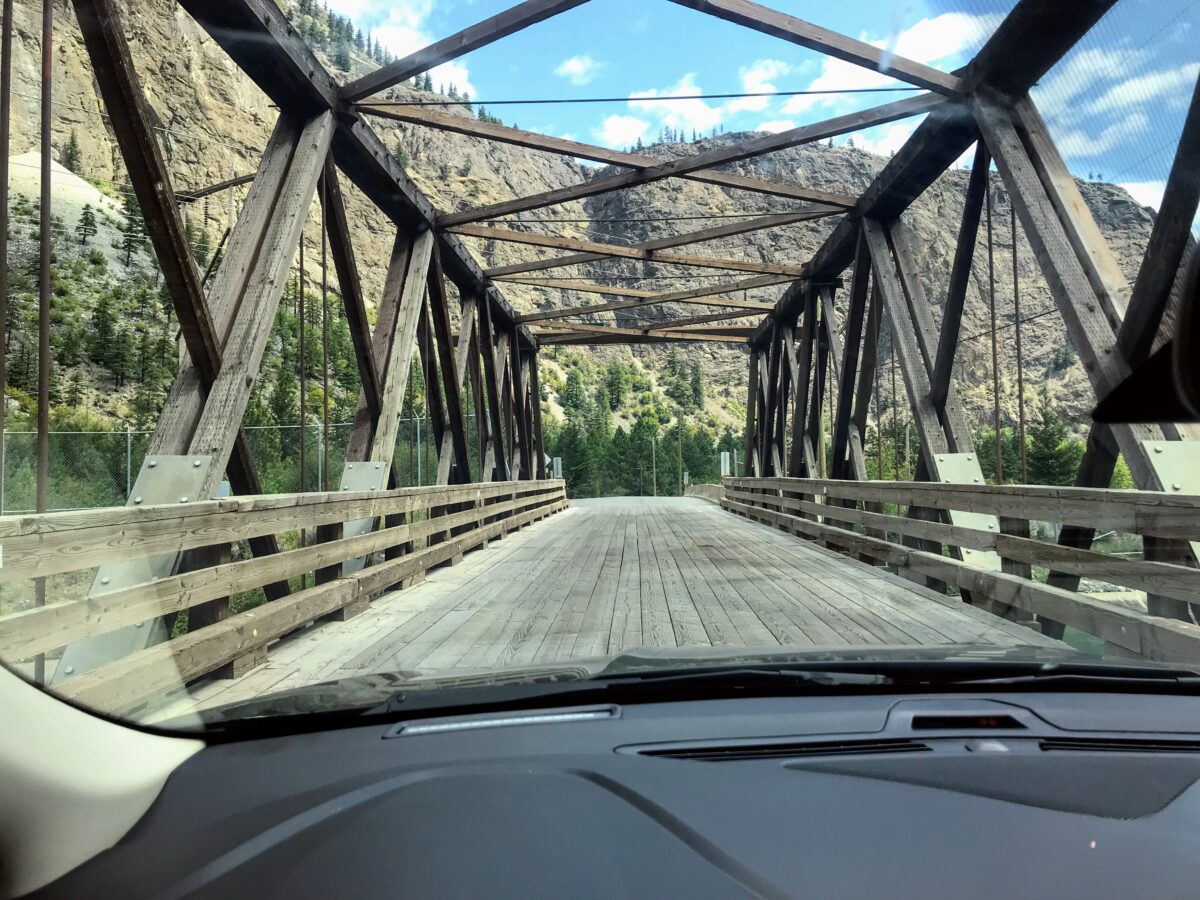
point(657, 98)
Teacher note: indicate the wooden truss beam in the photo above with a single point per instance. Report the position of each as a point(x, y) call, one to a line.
point(738, 337)
point(706, 296)
point(452, 379)
point(648, 250)
point(805, 134)
point(846, 359)
point(1088, 326)
point(531, 140)
point(1169, 241)
point(341, 250)
point(258, 38)
point(225, 405)
point(697, 320)
point(593, 250)
point(960, 276)
point(830, 43)
point(478, 35)
point(583, 287)
point(1031, 39)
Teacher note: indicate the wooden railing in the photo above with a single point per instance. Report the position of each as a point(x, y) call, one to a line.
point(436, 525)
point(871, 520)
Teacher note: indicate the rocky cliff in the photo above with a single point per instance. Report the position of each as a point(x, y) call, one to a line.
point(213, 123)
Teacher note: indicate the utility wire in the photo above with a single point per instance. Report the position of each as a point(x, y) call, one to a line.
point(877, 90)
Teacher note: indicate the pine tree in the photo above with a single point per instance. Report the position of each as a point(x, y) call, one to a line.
point(1053, 456)
point(74, 395)
point(72, 156)
point(697, 388)
point(86, 229)
point(134, 229)
point(341, 56)
point(103, 327)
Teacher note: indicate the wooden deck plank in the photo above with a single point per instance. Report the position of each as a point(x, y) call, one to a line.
point(617, 575)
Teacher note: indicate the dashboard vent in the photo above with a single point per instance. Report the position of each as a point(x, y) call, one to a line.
point(1119, 745)
point(739, 752)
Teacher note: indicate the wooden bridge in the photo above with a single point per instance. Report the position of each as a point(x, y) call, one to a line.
point(493, 567)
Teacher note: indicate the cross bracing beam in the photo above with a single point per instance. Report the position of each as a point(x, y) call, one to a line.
point(594, 250)
point(830, 43)
point(531, 140)
point(650, 251)
point(705, 296)
point(478, 35)
point(770, 143)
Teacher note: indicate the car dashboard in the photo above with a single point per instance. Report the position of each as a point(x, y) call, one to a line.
point(1004, 795)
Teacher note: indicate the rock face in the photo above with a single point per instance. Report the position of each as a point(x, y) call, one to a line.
point(213, 123)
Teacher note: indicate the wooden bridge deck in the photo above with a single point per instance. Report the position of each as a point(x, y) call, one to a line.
point(618, 574)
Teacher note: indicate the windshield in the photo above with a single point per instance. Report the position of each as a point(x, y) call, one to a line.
point(561, 348)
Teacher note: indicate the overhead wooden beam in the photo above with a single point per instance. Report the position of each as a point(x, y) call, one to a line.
point(594, 250)
point(960, 276)
point(478, 35)
point(613, 330)
point(191, 195)
point(468, 125)
point(651, 249)
point(583, 287)
point(805, 134)
point(589, 340)
point(698, 320)
point(342, 252)
point(1168, 242)
point(706, 296)
point(830, 43)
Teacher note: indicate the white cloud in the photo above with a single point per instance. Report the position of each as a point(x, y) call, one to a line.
point(1078, 73)
point(402, 31)
point(758, 78)
point(622, 131)
point(685, 114)
point(886, 139)
point(1147, 193)
point(776, 125)
point(579, 70)
point(1167, 84)
point(943, 40)
point(1078, 143)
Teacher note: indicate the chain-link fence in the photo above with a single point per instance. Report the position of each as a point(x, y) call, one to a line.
point(91, 469)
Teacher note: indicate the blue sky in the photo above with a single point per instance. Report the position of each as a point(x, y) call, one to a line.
point(1115, 104)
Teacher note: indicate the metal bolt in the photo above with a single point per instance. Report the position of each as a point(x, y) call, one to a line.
point(991, 526)
point(104, 580)
point(195, 463)
point(139, 624)
point(372, 487)
point(69, 670)
point(969, 457)
point(1177, 486)
point(941, 459)
point(183, 499)
point(350, 466)
point(1158, 449)
point(378, 465)
point(137, 500)
point(345, 487)
point(977, 481)
point(153, 463)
